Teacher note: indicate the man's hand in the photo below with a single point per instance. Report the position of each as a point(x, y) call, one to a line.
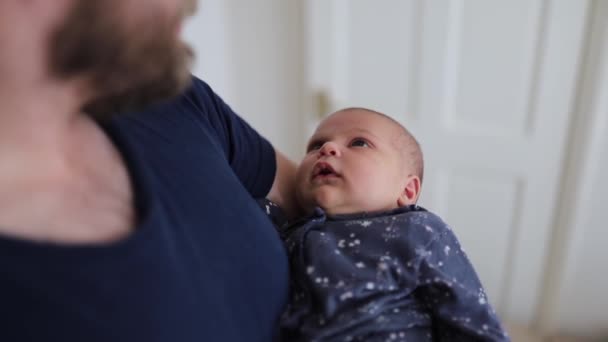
point(283, 190)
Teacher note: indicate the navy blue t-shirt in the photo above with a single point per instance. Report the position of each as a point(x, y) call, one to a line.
point(203, 264)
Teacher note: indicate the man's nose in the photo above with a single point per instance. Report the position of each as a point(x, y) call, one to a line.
point(329, 149)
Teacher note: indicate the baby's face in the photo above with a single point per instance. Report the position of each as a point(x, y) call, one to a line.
point(353, 164)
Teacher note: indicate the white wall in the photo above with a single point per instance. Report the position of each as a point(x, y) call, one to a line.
point(207, 33)
point(250, 52)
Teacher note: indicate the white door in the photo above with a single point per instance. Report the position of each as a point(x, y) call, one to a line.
point(487, 88)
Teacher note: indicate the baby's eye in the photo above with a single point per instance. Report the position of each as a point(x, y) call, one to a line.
point(314, 147)
point(359, 143)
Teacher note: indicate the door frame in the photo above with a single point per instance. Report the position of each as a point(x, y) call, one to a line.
point(587, 136)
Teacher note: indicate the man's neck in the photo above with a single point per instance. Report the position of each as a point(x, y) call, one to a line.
point(61, 179)
point(36, 126)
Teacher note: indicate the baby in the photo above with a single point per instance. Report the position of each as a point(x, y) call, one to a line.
point(368, 264)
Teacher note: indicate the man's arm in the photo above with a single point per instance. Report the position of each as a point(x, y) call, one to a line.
point(283, 191)
point(250, 155)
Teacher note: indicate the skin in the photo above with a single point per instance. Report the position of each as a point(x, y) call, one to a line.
point(363, 156)
point(61, 178)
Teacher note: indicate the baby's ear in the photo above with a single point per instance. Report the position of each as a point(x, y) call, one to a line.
point(411, 191)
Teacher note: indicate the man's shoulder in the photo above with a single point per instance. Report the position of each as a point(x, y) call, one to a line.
point(197, 99)
point(185, 118)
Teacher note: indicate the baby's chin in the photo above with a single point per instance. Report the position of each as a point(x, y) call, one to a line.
point(339, 208)
point(344, 210)
point(326, 200)
point(333, 203)
point(335, 207)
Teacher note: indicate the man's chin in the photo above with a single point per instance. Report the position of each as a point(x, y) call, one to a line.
point(135, 99)
point(147, 91)
point(124, 66)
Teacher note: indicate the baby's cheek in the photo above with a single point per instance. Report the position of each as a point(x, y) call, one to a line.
point(301, 195)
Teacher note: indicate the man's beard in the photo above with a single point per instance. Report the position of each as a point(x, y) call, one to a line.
point(126, 70)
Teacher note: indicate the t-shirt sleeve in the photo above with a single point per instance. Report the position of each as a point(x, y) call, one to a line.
point(251, 156)
point(450, 288)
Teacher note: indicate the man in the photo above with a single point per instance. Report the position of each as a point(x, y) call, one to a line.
point(132, 227)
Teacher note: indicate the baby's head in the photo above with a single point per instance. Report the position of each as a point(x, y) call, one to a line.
point(359, 160)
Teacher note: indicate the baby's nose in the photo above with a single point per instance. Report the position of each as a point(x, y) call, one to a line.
point(329, 149)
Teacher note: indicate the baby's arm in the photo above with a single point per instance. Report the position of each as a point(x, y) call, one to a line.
point(450, 288)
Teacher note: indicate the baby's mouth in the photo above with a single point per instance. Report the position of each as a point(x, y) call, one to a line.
point(324, 170)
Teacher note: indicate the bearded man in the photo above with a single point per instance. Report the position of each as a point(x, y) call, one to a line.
point(126, 185)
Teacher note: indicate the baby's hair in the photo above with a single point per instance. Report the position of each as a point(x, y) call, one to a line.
point(410, 146)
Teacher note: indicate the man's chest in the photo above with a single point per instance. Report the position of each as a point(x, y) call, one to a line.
point(202, 260)
point(91, 201)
